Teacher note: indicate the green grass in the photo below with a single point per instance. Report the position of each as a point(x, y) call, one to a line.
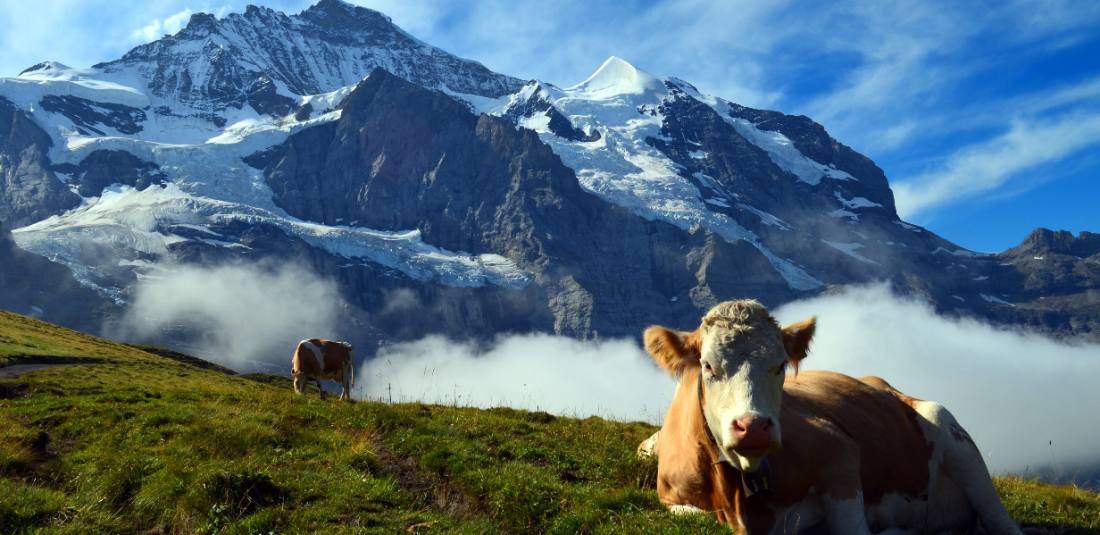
point(144, 442)
point(1050, 506)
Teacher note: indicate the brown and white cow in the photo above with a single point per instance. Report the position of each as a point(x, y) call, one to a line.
point(769, 452)
point(323, 359)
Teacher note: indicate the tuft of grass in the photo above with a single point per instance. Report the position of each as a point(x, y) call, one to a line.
point(151, 442)
point(1068, 509)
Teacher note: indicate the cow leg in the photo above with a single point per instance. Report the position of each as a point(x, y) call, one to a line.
point(346, 393)
point(320, 388)
point(963, 463)
point(842, 497)
point(846, 515)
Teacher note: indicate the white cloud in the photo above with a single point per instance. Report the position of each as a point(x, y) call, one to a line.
point(1025, 399)
point(249, 318)
point(157, 28)
point(613, 379)
point(986, 167)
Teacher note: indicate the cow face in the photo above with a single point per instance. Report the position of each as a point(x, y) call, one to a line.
point(742, 355)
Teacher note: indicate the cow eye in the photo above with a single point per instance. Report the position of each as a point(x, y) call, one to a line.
point(708, 368)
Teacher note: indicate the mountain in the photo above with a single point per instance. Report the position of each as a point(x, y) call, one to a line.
point(34, 286)
point(445, 198)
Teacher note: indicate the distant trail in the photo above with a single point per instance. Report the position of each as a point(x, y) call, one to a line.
point(25, 365)
point(15, 370)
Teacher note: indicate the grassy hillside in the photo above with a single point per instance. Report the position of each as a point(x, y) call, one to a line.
point(126, 440)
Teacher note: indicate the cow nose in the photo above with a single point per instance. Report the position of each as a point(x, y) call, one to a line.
point(753, 432)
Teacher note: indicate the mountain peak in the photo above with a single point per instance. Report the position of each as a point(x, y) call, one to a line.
point(617, 76)
point(202, 22)
point(342, 14)
point(327, 5)
point(45, 66)
point(252, 10)
point(329, 45)
point(1043, 241)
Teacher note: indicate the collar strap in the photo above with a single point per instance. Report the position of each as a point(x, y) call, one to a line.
point(753, 483)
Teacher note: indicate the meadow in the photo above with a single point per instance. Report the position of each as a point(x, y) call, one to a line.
point(113, 438)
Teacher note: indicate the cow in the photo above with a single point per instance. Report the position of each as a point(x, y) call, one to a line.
point(772, 451)
point(318, 359)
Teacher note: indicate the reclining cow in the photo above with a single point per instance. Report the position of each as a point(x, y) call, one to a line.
point(323, 359)
point(772, 453)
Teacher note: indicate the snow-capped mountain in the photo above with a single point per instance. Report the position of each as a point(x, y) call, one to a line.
point(335, 138)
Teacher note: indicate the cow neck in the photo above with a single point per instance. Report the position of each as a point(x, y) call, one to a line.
point(753, 483)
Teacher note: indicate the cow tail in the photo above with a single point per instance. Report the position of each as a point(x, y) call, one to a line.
point(351, 369)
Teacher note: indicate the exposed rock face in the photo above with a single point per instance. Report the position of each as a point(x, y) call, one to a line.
point(812, 140)
point(32, 285)
point(478, 184)
point(90, 117)
point(1052, 280)
point(536, 105)
point(29, 190)
point(215, 63)
point(103, 168)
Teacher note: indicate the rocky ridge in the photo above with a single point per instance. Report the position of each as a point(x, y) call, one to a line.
point(445, 198)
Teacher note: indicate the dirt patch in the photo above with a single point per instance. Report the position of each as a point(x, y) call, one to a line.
point(440, 494)
point(12, 391)
point(239, 494)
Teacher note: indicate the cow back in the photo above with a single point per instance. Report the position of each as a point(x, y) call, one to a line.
point(893, 451)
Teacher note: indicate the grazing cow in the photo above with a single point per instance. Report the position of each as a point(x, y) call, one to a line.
point(771, 453)
point(323, 359)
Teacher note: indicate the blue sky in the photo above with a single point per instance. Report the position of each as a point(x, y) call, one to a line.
point(984, 115)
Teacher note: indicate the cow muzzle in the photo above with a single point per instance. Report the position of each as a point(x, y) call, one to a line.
point(754, 436)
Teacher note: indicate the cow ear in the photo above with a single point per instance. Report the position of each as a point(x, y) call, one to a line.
point(796, 339)
point(674, 351)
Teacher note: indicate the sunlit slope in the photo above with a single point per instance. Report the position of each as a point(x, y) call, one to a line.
point(123, 440)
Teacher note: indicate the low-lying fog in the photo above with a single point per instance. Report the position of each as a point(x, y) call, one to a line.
point(1030, 402)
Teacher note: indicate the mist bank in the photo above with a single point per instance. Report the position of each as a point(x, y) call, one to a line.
point(612, 379)
point(246, 317)
point(1028, 401)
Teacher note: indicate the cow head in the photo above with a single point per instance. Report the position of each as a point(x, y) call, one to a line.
point(743, 355)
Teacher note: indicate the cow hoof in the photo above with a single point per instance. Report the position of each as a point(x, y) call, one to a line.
point(683, 509)
point(648, 447)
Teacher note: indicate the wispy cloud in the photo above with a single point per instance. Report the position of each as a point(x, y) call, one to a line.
point(987, 166)
point(157, 28)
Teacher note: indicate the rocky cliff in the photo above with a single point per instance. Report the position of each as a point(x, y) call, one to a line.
point(444, 198)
